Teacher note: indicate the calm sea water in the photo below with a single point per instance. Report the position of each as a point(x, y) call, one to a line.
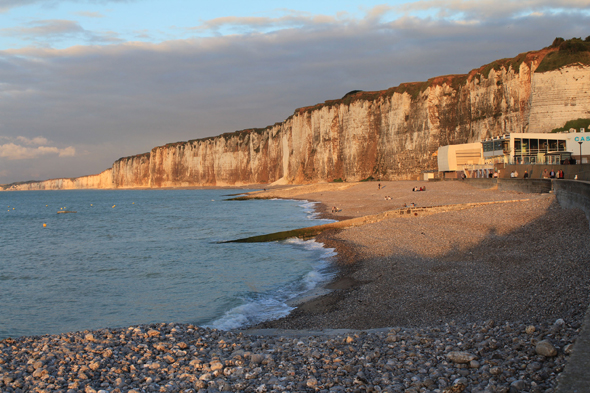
point(136, 257)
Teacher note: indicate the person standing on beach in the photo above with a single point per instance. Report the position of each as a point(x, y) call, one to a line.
point(379, 185)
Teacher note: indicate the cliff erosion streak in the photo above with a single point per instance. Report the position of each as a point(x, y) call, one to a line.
point(390, 134)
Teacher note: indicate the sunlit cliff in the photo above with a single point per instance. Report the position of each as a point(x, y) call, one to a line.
point(389, 134)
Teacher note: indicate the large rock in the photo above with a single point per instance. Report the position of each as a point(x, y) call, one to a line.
point(460, 357)
point(545, 348)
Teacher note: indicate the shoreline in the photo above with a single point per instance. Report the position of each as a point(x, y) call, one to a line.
point(361, 281)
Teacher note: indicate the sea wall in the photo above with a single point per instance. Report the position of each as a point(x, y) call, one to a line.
point(527, 186)
point(573, 194)
point(392, 134)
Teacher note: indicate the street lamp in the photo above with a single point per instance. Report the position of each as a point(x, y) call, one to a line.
point(580, 151)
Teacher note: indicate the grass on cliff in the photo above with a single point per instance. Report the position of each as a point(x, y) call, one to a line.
point(513, 62)
point(576, 124)
point(571, 51)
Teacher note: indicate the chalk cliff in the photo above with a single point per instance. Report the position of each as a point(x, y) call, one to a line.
point(389, 134)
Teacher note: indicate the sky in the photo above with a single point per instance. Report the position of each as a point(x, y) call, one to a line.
point(86, 82)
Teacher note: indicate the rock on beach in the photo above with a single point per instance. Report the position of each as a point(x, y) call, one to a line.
point(186, 358)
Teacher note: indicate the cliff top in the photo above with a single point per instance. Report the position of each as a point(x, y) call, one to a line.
point(559, 54)
point(566, 52)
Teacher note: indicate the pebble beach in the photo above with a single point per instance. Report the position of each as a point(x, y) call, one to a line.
point(487, 299)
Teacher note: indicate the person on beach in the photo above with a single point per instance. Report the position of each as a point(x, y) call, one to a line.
point(526, 175)
point(545, 174)
point(379, 185)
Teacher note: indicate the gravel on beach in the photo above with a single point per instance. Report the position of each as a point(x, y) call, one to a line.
point(488, 299)
point(183, 358)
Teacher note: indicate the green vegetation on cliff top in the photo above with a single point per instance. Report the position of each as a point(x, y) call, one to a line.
point(568, 52)
point(576, 124)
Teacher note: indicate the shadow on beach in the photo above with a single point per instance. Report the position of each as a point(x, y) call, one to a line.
point(519, 262)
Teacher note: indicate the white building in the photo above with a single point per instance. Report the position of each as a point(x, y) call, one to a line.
point(478, 159)
point(552, 149)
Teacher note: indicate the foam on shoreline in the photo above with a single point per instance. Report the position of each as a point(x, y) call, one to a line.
point(258, 307)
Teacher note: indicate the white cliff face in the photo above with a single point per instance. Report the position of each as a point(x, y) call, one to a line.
point(390, 134)
point(102, 180)
point(131, 171)
point(559, 96)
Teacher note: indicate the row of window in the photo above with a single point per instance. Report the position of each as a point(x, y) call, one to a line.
point(535, 146)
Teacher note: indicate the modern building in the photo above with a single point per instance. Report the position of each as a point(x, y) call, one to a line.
point(517, 148)
point(454, 160)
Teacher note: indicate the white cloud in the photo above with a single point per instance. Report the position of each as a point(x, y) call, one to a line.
point(13, 151)
point(90, 14)
point(53, 30)
point(35, 141)
point(6, 5)
point(289, 20)
point(489, 9)
point(69, 151)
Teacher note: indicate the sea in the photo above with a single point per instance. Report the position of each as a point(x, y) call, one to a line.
point(132, 257)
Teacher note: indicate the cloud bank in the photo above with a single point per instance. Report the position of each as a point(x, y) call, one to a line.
point(33, 148)
point(6, 5)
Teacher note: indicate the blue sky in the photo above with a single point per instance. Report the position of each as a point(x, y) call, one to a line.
point(60, 24)
point(85, 82)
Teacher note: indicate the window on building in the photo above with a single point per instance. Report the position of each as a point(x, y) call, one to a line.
point(561, 145)
point(552, 145)
point(543, 145)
